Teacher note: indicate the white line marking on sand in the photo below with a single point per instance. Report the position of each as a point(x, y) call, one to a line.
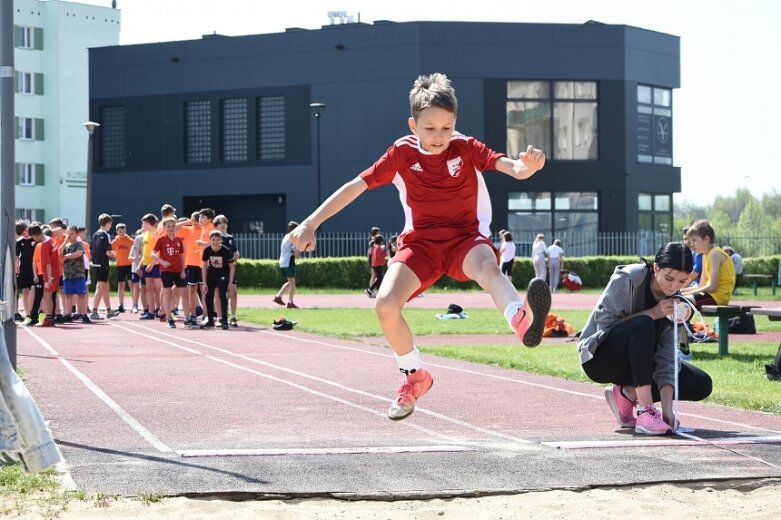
point(273, 452)
point(730, 441)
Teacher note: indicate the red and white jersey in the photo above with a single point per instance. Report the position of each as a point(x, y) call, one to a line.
point(171, 250)
point(443, 194)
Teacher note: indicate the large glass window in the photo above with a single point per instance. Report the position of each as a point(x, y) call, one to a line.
point(198, 131)
point(655, 213)
point(271, 128)
point(112, 137)
point(559, 116)
point(654, 125)
point(233, 129)
point(570, 216)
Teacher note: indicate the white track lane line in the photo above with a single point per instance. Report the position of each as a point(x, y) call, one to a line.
point(95, 389)
point(418, 409)
point(510, 379)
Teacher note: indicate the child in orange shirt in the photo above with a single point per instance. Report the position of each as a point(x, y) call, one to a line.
point(121, 246)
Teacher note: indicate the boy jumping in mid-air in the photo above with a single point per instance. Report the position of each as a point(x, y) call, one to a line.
point(438, 171)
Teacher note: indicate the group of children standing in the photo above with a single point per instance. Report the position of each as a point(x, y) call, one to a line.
point(166, 263)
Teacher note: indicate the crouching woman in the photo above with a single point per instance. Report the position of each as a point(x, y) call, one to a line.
point(628, 341)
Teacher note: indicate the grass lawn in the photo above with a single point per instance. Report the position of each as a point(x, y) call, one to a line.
point(739, 379)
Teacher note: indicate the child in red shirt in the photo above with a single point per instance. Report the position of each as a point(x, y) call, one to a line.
point(439, 175)
point(378, 264)
point(169, 253)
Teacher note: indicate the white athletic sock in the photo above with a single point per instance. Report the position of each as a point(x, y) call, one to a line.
point(510, 311)
point(410, 362)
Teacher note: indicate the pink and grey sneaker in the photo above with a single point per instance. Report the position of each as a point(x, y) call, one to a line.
point(622, 407)
point(650, 422)
point(415, 385)
point(529, 322)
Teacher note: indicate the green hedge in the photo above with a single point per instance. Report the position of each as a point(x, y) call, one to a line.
point(353, 272)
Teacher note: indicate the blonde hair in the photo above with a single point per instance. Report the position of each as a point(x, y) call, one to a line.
point(434, 90)
point(539, 237)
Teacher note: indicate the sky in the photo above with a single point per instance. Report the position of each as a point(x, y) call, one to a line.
point(725, 120)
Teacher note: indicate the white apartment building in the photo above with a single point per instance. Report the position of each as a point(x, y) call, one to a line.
point(51, 42)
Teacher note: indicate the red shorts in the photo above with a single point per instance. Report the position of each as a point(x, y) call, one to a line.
point(429, 259)
point(54, 285)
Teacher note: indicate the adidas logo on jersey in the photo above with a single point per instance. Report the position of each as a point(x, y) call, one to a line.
point(416, 168)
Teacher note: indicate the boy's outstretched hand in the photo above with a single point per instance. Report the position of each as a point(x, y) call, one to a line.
point(303, 238)
point(533, 158)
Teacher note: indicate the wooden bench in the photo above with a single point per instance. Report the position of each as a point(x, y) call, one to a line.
point(756, 278)
point(772, 313)
point(724, 313)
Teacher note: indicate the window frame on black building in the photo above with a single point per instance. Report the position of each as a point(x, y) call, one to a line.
point(556, 214)
point(234, 129)
point(654, 125)
point(271, 134)
point(655, 209)
point(535, 110)
point(112, 150)
point(197, 131)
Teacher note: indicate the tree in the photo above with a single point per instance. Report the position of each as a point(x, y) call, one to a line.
point(771, 204)
point(753, 223)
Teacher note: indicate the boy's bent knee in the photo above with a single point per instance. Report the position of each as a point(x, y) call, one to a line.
point(386, 306)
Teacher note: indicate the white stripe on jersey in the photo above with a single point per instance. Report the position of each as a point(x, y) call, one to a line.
point(402, 187)
point(483, 206)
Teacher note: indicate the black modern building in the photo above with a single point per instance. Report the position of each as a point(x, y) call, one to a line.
point(226, 122)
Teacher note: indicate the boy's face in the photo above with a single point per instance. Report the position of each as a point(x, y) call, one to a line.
point(216, 242)
point(72, 235)
point(699, 244)
point(121, 231)
point(170, 227)
point(83, 234)
point(434, 127)
point(37, 238)
point(223, 227)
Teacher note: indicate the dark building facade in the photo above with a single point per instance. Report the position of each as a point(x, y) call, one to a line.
point(225, 122)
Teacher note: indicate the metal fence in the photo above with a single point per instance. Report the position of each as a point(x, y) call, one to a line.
point(266, 245)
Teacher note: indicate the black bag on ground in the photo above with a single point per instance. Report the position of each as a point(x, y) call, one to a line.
point(454, 309)
point(282, 323)
point(743, 324)
point(774, 369)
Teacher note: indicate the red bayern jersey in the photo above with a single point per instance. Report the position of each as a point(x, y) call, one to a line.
point(443, 194)
point(171, 250)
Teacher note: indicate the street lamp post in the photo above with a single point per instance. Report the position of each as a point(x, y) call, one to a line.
point(317, 111)
point(90, 126)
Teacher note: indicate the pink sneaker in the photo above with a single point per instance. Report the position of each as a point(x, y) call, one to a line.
point(650, 422)
point(278, 300)
point(529, 322)
point(415, 385)
point(622, 407)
